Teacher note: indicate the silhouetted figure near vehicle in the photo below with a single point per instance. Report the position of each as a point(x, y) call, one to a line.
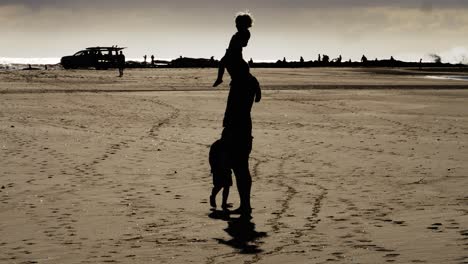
point(221, 171)
point(319, 58)
point(420, 64)
point(364, 59)
point(144, 57)
point(301, 60)
point(121, 63)
point(237, 122)
point(152, 59)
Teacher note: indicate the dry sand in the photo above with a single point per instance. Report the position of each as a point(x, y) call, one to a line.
point(340, 176)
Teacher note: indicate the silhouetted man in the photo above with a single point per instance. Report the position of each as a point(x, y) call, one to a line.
point(121, 63)
point(237, 122)
point(152, 59)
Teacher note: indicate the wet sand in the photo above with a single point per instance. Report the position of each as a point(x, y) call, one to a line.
point(201, 79)
point(340, 175)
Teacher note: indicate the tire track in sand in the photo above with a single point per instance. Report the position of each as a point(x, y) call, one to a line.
point(278, 222)
point(171, 116)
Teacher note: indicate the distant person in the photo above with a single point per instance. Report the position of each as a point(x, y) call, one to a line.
point(301, 60)
point(325, 58)
point(144, 57)
point(363, 59)
point(233, 54)
point(319, 58)
point(237, 122)
point(221, 171)
point(121, 63)
point(152, 59)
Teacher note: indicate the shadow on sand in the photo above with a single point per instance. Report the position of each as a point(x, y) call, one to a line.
point(244, 237)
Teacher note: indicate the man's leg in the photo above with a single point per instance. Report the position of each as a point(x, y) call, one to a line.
point(239, 145)
point(244, 184)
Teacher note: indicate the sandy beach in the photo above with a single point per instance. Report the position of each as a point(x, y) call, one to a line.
point(348, 166)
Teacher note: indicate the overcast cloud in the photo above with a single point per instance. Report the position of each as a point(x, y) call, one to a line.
point(289, 28)
point(248, 3)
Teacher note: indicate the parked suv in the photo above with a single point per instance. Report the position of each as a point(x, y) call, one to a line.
point(100, 58)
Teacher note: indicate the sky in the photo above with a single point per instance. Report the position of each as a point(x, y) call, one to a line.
point(405, 29)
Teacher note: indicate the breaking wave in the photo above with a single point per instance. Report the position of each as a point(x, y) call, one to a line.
point(26, 61)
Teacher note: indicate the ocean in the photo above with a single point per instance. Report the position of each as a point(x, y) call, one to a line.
point(26, 61)
point(449, 77)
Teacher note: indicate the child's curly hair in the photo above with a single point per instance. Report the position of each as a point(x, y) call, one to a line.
point(244, 19)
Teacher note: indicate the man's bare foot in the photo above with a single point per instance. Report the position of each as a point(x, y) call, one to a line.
point(217, 82)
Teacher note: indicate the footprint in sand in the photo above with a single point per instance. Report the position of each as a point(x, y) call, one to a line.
point(464, 233)
point(435, 226)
